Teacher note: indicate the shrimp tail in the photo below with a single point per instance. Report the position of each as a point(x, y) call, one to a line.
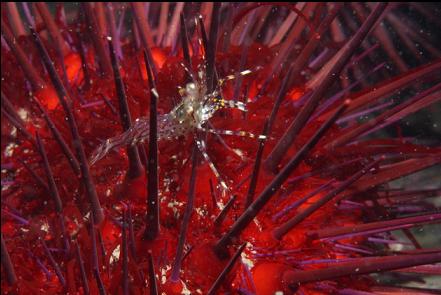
point(136, 134)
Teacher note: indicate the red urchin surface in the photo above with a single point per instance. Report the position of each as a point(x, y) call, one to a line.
point(308, 205)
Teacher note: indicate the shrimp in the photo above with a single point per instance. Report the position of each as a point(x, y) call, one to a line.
point(190, 115)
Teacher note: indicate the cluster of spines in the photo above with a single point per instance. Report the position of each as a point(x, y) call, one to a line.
point(108, 66)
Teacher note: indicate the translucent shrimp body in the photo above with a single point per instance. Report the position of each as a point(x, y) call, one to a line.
point(189, 116)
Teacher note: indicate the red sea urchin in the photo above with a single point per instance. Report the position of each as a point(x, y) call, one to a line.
point(308, 205)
